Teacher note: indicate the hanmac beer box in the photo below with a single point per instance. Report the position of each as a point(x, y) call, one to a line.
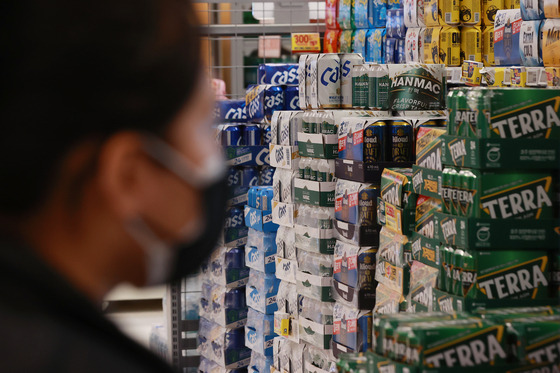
point(507, 31)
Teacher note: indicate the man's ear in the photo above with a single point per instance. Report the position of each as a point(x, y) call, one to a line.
point(121, 169)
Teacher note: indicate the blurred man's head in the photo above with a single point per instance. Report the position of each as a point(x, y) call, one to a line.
point(86, 87)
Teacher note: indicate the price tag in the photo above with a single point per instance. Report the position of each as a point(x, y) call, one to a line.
point(306, 42)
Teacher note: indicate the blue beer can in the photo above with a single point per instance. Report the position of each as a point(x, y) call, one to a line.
point(280, 74)
point(292, 98)
point(250, 176)
point(252, 135)
point(266, 176)
point(261, 74)
point(235, 299)
point(234, 178)
point(273, 100)
point(400, 53)
point(235, 218)
point(232, 135)
point(266, 134)
point(252, 196)
point(390, 49)
point(230, 111)
point(235, 258)
point(264, 198)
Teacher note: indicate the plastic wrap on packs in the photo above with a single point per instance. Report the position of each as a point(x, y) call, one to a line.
point(396, 27)
point(316, 311)
point(260, 251)
point(345, 14)
point(506, 37)
point(261, 323)
point(376, 39)
point(260, 363)
point(352, 328)
point(225, 307)
point(413, 45)
point(288, 355)
point(224, 346)
point(360, 42)
point(261, 291)
point(530, 43)
point(377, 13)
point(423, 279)
point(315, 264)
point(387, 301)
point(287, 299)
point(317, 360)
point(286, 243)
point(226, 266)
point(532, 10)
point(392, 247)
point(361, 14)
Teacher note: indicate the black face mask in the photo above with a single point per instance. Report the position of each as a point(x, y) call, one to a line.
point(170, 262)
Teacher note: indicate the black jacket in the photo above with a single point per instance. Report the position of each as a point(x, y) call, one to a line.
point(48, 326)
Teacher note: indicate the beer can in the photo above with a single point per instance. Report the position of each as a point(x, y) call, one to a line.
point(410, 13)
point(441, 274)
point(232, 135)
point(360, 42)
point(331, 15)
point(450, 11)
point(457, 287)
point(326, 123)
point(377, 13)
point(450, 46)
point(346, 42)
point(530, 43)
point(400, 53)
point(292, 98)
point(266, 176)
point(488, 46)
point(361, 8)
point(467, 192)
point(401, 141)
point(347, 62)
point(489, 10)
point(280, 74)
point(378, 89)
point(532, 10)
point(468, 276)
point(506, 38)
point(360, 89)
point(252, 134)
point(376, 45)
point(345, 10)
point(311, 81)
point(446, 191)
point(309, 122)
point(469, 12)
point(432, 13)
point(328, 85)
point(235, 218)
point(374, 143)
point(261, 71)
point(431, 45)
point(448, 255)
point(273, 100)
point(421, 44)
point(234, 298)
point(302, 75)
point(267, 135)
point(391, 51)
point(263, 198)
point(330, 41)
point(250, 176)
point(235, 257)
point(454, 191)
point(471, 46)
point(413, 45)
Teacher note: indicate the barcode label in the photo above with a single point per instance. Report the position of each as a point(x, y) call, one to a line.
point(448, 18)
point(472, 57)
point(476, 17)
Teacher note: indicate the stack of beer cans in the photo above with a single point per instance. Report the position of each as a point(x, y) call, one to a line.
point(262, 288)
point(223, 306)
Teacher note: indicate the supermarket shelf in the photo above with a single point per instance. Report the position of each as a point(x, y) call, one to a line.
point(258, 29)
point(250, 1)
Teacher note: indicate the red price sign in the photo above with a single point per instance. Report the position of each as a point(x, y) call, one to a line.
point(306, 42)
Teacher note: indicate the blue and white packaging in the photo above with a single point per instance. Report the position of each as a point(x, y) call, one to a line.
point(255, 102)
point(360, 45)
point(507, 29)
point(230, 111)
point(376, 40)
point(532, 9)
point(259, 332)
point(259, 363)
point(262, 289)
point(361, 15)
point(288, 355)
point(208, 366)
point(260, 220)
point(260, 251)
point(530, 43)
point(345, 11)
point(377, 13)
point(226, 347)
point(225, 307)
point(291, 100)
point(394, 4)
point(395, 24)
point(226, 267)
point(279, 74)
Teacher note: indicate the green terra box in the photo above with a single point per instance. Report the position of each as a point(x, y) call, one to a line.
point(399, 220)
point(500, 153)
point(426, 182)
point(480, 233)
point(425, 250)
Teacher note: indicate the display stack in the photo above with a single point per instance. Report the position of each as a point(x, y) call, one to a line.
point(223, 306)
point(262, 287)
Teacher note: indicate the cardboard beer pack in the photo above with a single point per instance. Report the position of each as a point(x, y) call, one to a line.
point(506, 37)
point(550, 31)
point(396, 187)
point(428, 148)
point(355, 203)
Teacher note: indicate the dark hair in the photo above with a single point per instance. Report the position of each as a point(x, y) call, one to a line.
point(73, 70)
